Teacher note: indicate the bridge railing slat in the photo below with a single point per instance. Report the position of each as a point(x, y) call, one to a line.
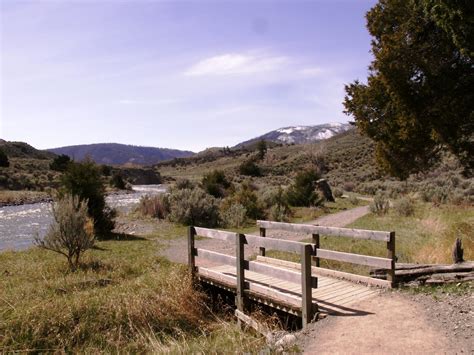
point(382, 263)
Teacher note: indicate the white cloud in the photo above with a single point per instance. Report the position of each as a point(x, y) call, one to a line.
point(312, 71)
point(231, 64)
point(148, 102)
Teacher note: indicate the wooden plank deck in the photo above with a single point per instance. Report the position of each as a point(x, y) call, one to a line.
point(333, 296)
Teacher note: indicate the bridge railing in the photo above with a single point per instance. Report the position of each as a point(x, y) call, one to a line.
point(315, 231)
point(303, 277)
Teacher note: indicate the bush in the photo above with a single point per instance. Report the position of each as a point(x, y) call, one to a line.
point(183, 183)
point(246, 197)
point(353, 200)
point(234, 216)
point(84, 180)
point(72, 231)
point(4, 159)
point(117, 181)
point(337, 192)
point(215, 183)
point(193, 207)
point(380, 204)
point(303, 191)
point(404, 207)
point(275, 200)
point(250, 168)
point(60, 163)
point(156, 206)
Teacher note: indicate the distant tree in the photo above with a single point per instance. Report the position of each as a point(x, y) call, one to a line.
point(60, 163)
point(106, 170)
point(117, 181)
point(419, 94)
point(303, 192)
point(215, 183)
point(261, 149)
point(4, 159)
point(84, 180)
point(71, 232)
point(250, 168)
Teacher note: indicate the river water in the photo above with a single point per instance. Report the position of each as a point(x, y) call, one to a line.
point(20, 224)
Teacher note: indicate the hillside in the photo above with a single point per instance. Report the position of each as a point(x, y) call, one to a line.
point(300, 134)
point(119, 154)
point(23, 150)
point(346, 157)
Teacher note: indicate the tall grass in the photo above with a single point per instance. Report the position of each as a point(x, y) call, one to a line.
point(124, 298)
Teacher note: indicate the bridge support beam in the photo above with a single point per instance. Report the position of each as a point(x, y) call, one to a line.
point(306, 289)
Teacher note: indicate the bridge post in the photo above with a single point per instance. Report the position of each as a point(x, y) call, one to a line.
point(391, 255)
point(191, 253)
point(262, 234)
point(306, 289)
point(239, 254)
point(316, 247)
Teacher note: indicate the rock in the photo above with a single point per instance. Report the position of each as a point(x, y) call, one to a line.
point(286, 341)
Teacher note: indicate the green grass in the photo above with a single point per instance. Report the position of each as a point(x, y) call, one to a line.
point(425, 237)
point(124, 298)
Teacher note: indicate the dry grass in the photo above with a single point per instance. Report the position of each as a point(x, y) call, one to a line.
point(8, 197)
point(123, 299)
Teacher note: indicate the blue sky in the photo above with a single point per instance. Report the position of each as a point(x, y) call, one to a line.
point(177, 74)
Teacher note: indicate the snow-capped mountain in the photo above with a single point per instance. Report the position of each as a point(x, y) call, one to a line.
point(301, 134)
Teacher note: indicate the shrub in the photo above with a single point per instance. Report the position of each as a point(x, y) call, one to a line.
point(4, 159)
point(215, 183)
point(261, 149)
point(404, 207)
point(303, 191)
point(275, 200)
point(380, 204)
point(60, 163)
point(353, 200)
point(183, 183)
point(250, 168)
point(72, 231)
point(193, 207)
point(156, 206)
point(349, 186)
point(84, 180)
point(337, 192)
point(246, 197)
point(234, 216)
point(117, 181)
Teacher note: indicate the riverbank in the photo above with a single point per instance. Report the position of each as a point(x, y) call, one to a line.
point(18, 198)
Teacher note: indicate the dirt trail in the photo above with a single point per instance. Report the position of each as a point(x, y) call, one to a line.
point(394, 325)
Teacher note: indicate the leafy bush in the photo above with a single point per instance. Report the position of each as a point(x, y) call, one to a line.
point(117, 181)
point(250, 168)
point(246, 196)
point(380, 205)
point(182, 184)
point(84, 180)
point(72, 231)
point(234, 216)
point(275, 200)
point(60, 163)
point(215, 183)
point(353, 200)
point(404, 207)
point(303, 191)
point(156, 206)
point(193, 207)
point(261, 149)
point(4, 159)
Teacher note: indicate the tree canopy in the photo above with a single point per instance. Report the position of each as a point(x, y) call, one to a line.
point(419, 95)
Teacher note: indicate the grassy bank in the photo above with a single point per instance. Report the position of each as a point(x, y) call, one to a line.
point(425, 237)
point(124, 298)
point(8, 198)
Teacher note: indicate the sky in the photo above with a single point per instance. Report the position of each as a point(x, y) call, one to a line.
point(176, 74)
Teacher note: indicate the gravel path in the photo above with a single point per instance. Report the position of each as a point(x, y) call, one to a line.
point(397, 323)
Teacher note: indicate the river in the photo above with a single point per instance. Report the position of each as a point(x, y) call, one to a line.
point(20, 224)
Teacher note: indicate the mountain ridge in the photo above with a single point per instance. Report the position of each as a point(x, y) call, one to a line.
point(120, 154)
point(300, 134)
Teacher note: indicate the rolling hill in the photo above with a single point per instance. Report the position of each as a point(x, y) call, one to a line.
point(120, 154)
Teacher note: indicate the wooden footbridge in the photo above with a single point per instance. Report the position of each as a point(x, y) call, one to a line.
point(301, 289)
